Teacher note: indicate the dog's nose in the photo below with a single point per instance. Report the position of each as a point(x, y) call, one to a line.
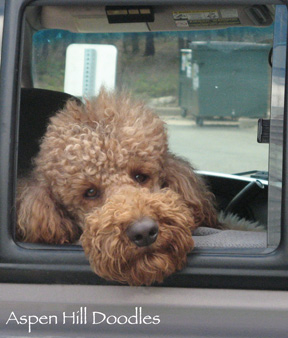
point(143, 232)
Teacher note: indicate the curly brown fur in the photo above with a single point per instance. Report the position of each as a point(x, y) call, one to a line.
point(114, 256)
point(101, 167)
point(40, 218)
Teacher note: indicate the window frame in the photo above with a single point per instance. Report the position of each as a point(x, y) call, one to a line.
point(26, 263)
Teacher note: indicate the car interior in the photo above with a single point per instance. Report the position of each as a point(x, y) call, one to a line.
point(178, 59)
point(244, 194)
point(215, 72)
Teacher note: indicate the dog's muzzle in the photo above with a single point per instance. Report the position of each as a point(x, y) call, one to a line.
point(143, 232)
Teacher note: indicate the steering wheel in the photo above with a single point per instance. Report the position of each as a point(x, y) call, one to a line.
point(250, 190)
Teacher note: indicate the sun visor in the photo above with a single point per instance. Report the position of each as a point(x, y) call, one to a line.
point(209, 17)
point(85, 20)
point(160, 18)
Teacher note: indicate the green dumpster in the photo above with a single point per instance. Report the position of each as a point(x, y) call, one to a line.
point(216, 81)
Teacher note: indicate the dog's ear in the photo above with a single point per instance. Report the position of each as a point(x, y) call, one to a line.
point(40, 219)
point(181, 178)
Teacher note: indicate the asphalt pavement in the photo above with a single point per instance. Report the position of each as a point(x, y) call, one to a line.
point(228, 147)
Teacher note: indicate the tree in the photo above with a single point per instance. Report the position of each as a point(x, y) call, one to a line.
point(149, 45)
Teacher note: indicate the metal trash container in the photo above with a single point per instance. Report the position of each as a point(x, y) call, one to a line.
point(224, 80)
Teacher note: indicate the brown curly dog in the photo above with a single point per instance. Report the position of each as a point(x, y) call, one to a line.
point(104, 173)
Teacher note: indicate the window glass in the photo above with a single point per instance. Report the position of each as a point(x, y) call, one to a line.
point(217, 79)
point(210, 86)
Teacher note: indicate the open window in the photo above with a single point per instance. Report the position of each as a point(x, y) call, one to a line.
point(215, 74)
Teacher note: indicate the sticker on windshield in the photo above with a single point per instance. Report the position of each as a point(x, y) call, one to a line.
point(224, 17)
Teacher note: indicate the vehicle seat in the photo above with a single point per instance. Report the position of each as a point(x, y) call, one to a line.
point(36, 107)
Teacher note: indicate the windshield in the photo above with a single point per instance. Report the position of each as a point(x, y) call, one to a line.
point(210, 87)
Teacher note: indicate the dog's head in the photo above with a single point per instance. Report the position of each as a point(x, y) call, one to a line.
point(104, 167)
point(88, 150)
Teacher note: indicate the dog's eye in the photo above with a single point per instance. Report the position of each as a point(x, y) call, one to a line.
point(141, 178)
point(91, 193)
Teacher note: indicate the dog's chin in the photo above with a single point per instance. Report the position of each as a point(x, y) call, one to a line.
point(153, 266)
point(142, 266)
point(120, 260)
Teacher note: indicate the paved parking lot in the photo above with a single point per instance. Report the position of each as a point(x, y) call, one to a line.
point(229, 147)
